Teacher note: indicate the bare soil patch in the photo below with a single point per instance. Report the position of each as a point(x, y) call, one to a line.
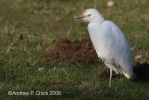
point(72, 52)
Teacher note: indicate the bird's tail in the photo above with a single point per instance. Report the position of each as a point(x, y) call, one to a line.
point(127, 75)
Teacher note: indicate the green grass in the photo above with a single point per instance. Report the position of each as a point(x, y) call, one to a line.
point(29, 27)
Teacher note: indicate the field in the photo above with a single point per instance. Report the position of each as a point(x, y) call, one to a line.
point(33, 31)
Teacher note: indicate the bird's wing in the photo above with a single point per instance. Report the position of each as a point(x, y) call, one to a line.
point(120, 50)
point(111, 45)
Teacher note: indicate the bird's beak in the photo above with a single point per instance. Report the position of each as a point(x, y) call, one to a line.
point(81, 16)
point(78, 17)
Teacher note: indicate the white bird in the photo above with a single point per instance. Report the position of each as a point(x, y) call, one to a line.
point(109, 42)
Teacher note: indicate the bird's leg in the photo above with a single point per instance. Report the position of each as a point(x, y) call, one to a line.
point(110, 77)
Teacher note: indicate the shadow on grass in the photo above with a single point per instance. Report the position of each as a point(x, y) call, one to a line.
point(141, 72)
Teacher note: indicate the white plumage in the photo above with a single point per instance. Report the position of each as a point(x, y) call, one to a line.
point(109, 42)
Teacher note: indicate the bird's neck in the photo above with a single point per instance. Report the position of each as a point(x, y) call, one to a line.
point(98, 19)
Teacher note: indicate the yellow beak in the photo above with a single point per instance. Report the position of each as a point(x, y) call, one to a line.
point(80, 17)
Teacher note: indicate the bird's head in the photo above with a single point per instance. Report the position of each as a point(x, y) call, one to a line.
point(90, 15)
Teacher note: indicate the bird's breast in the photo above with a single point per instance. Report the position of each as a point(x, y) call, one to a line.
point(100, 39)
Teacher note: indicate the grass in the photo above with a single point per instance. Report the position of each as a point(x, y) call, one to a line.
point(29, 27)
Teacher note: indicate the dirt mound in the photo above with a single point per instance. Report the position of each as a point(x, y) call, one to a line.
point(72, 52)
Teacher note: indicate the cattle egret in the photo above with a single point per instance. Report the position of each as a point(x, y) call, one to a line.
point(109, 42)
